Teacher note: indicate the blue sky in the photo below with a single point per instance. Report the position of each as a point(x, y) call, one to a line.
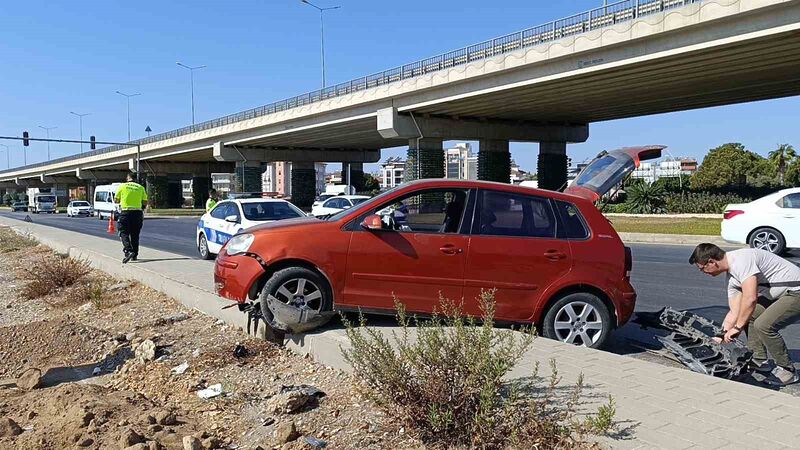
point(57, 57)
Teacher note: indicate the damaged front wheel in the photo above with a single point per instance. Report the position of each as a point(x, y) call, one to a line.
point(296, 299)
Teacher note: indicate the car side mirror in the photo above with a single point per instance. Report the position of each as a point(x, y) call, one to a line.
point(347, 207)
point(372, 222)
point(232, 219)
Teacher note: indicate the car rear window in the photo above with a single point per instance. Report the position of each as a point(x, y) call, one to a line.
point(262, 211)
point(573, 224)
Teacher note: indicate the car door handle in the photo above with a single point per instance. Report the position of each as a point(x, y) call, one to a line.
point(450, 249)
point(554, 255)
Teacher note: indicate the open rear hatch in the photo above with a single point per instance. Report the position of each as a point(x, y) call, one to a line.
point(609, 168)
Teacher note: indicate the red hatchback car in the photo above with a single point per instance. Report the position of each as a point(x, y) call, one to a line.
point(553, 258)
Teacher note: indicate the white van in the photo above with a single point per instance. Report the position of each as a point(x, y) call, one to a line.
point(104, 203)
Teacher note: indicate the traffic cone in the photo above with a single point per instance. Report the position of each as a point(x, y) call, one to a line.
point(111, 225)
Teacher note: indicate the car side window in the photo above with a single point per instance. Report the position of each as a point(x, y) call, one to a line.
point(574, 225)
point(233, 210)
point(220, 211)
point(332, 203)
point(428, 211)
point(508, 214)
point(792, 201)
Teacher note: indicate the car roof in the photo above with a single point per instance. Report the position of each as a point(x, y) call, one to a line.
point(255, 200)
point(351, 197)
point(475, 184)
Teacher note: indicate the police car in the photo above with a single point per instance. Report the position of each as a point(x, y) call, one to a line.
point(231, 216)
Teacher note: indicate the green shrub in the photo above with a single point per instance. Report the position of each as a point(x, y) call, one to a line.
point(646, 198)
point(446, 384)
point(700, 202)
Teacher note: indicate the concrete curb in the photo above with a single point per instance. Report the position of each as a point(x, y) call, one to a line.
point(674, 239)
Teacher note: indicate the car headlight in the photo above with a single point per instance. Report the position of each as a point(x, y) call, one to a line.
point(239, 244)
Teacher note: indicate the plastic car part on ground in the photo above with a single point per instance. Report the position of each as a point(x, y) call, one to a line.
point(692, 342)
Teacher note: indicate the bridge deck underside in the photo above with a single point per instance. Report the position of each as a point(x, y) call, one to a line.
point(755, 70)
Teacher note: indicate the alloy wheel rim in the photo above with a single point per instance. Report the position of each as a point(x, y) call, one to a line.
point(766, 240)
point(301, 293)
point(203, 245)
point(578, 323)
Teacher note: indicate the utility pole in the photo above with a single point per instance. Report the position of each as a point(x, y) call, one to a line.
point(321, 32)
point(128, 96)
point(80, 119)
point(47, 130)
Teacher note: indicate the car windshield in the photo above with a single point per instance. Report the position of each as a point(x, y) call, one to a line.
point(80, 204)
point(358, 201)
point(263, 211)
point(46, 199)
point(361, 205)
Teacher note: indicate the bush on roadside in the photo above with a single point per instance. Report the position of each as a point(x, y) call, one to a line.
point(94, 292)
point(700, 202)
point(10, 241)
point(53, 273)
point(447, 383)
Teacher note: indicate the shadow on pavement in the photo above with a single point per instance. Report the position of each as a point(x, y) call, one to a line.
point(140, 261)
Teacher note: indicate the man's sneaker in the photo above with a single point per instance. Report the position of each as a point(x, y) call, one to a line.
point(782, 377)
point(762, 366)
point(127, 258)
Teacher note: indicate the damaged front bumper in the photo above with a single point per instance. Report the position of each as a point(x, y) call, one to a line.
point(692, 342)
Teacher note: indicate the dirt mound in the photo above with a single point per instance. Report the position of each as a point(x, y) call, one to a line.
point(94, 417)
point(42, 344)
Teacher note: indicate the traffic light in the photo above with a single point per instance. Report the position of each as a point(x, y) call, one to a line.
point(92, 144)
point(25, 140)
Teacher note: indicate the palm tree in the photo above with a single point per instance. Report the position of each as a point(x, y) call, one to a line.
point(646, 198)
point(781, 158)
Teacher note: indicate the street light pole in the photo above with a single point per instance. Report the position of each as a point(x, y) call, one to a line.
point(80, 119)
point(191, 77)
point(321, 32)
point(47, 129)
point(128, 96)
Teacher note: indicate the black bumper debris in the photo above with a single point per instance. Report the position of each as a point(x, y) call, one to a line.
point(691, 341)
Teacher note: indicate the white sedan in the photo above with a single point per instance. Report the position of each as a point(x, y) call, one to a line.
point(77, 208)
point(339, 203)
point(232, 216)
point(770, 223)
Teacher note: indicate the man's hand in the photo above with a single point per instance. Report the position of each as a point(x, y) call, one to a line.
point(731, 334)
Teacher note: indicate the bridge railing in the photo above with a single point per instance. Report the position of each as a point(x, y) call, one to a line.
point(597, 18)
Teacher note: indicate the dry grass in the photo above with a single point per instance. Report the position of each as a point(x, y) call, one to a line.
point(52, 273)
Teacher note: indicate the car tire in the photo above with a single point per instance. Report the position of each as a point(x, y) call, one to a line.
point(569, 321)
point(768, 239)
point(202, 248)
point(288, 279)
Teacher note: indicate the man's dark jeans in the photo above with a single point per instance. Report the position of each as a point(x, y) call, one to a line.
point(130, 225)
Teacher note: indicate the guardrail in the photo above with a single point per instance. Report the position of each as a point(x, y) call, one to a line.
point(602, 17)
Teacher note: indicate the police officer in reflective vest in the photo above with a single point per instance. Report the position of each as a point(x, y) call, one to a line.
point(132, 199)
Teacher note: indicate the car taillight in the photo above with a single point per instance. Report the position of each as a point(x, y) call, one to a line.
point(731, 214)
point(628, 262)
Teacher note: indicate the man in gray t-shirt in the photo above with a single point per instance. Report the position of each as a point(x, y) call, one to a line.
point(764, 296)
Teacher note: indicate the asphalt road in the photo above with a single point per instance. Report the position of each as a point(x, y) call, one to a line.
point(662, 275)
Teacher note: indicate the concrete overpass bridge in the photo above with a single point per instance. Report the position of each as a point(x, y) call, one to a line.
point(545, 84)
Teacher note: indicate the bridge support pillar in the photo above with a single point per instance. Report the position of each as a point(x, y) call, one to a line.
point(248, 176)
point(494, 160)
point(425, 159)
point(304, 184)
point(356, 173)
point(200, 188)
point(552, 166)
